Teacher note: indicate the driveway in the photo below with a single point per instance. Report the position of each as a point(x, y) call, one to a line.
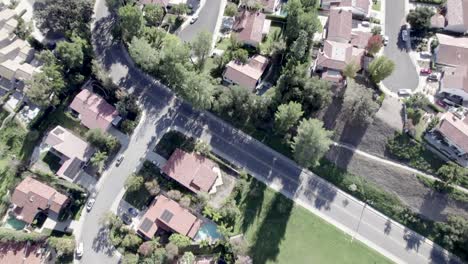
point(207, 19)
point(280, 173)
point(405, 75)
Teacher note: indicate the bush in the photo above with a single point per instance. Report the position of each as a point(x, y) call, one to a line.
point(128, 126)
point(172, 251)
point(174, 195)
point(63, 245)
point(180, 240)
point(10, 235)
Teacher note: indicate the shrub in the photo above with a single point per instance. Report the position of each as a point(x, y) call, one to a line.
point(185, 201)
point(128, 126)
point(180, 240)
point(174, 195)
point(9, 235)
point(133, 183)
point(172, 251)
point(63, 245)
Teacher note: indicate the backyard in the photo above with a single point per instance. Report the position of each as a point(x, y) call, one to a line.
point(280, 232)
point(61, 117)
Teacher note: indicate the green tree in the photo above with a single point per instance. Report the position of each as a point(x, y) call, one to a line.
point(420, 18)
point(130, 258)
point(134, 183)
point(131, 242)
point(70, 54)
point(65, 16)
point(376, 30)
point(98, 159)
point(47, 57)
point(131, 21)
point(144, 54)
point(380, 68)
point(201, 47)
point(63, 245)
point(154, 36)
point(152, 187)
point(453, 234)
point(351, 70)
point(180, 9)
point(311, 142)
point(452, 173)
point(153, 14)
point(198, 90)
point(174, 195)
point(24, 29)
point(299, 47)
point(180, 240)
point(287, 116)
point(299, 19)
point(359, 103)
point(240, 55)
point(45, 86)
point(230, 10)
point(202, 147)
point(172, 251)
point(187, 258)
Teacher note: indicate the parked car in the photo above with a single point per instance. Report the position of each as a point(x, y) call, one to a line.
point(404, 35)
point(119, 160)
point(194, 19)
point(404, 92)
point(79, 250)
point(425, 71)
point(89, 204)
point(126, 219)
point(132, 211)
point(455, 98)
point(433, 78)
point(448, 102)
point(365, 24)
point(385, 40)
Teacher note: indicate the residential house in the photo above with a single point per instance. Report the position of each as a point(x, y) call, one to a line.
point(450, 137)
point(193, 171)
point(72, 150)
point(456, 18)
point(23, 252)
point(251, 27)
point(339, 25)
point(452, 57)
point(247, 75)
point(168, 215)
point(7, 16)
point(31, 197)
point(93, 111)
point(357, 7)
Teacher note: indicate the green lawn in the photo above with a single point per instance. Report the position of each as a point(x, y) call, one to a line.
point(280, 232)
point(376, 5)
point(61, 117)
point(222, 44)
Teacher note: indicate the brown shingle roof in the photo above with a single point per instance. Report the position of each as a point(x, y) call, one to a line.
point(30, 196)
point(454, 129)
point(452, 51)
point(21, 253)
point(249, 26)
point(339, 25)
point(169, 215)
point(193, 171)
point(246, 75)
point(335, 55)
point(457, 13)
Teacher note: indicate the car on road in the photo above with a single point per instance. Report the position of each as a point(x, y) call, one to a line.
point(404, 92)
point(433, 78)
point(89, 204)
point(404, 35)
point(132, 211)
point(365, 24)
point(385, 40)
point(194, 19)
point(79, 250)
point(126, 219)
point(119, 160)
point(425, 71)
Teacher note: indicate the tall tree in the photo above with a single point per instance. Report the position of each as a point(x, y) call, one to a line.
point(198, 90)
point(64, 16)
point(452, 173)
point(420, 18)
point(45, 86)
point(293, 23)
point(287, 116)
point(154, 14)
point(180, 9)
point(359, 103)
point(131, 21)
point(155, 36)
point(201, 47)
point(351, 70)
point(299, 47)
point(134, 182)
point(144, 54)
point(311, 142)
point(98, 159)
point(70, 54)
point(380, 68)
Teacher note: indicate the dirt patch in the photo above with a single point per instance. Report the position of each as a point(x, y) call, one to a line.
point(223, 191)
point(405, 185)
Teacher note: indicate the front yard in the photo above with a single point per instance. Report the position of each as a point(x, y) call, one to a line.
point(281, 232)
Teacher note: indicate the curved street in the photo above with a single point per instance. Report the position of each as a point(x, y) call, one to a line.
point(207, 19)
point(163, 111)
point(405, 75)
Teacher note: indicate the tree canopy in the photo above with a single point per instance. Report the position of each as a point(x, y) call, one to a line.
point(201, 47)
point(287, 116)
point(131, 21)
point(311, 142)
point(380, 68)
point(153, 14)
point(420, 18)
point(359, 103)
point(70, 54)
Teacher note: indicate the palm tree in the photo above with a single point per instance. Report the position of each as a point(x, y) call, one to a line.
point(98, 159)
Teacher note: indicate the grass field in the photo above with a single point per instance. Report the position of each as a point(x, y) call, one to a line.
point(280, 232)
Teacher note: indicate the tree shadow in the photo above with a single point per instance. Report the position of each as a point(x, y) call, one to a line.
point(252, 204)
point(270, 234)
point(413, 240)
point(434, 204)
point(439, 256)
point(101, 242)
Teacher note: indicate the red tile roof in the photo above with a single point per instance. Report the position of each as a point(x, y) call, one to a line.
point(30, 196)
point(335, 55)
point(360, 39)
point(457, 13)
point(21, 253)
point(339, 25)
point(246, 75)
point(454, 129)
point(249, 26)
point(193, 171)
point(94, 111)
point(168, 215)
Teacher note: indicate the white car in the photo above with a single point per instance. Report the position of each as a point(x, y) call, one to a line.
point(194, 19)
point(79, 250)
point(385, 40)
point(365, 24)
point(404, 92)
point(119, 160)
point(89, 204)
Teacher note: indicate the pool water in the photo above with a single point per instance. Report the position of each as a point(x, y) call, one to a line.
point(14, 223)
point(208, 231)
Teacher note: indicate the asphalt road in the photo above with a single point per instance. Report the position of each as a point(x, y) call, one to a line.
point(279, 172)
point(405, 75)
point(207, 19)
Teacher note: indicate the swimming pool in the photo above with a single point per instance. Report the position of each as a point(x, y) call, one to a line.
point(14, 223)
point(208, 231)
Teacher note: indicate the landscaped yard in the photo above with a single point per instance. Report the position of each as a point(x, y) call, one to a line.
point(222, 44)
point(280, 232)
point(61, 117)
point(273, 36)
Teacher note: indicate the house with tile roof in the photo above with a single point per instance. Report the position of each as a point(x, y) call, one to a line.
point(248, 75)
point(73, 151)
point(250, 27)
point(456, 18)
point(93, 111)
point(193, 171)
point(166, 214)
point(23, 252)
point(357, 7)
point(32, 196)
point(450, 137)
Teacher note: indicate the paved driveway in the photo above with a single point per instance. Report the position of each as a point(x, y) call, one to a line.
point(405, 75)
point(207, 19)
